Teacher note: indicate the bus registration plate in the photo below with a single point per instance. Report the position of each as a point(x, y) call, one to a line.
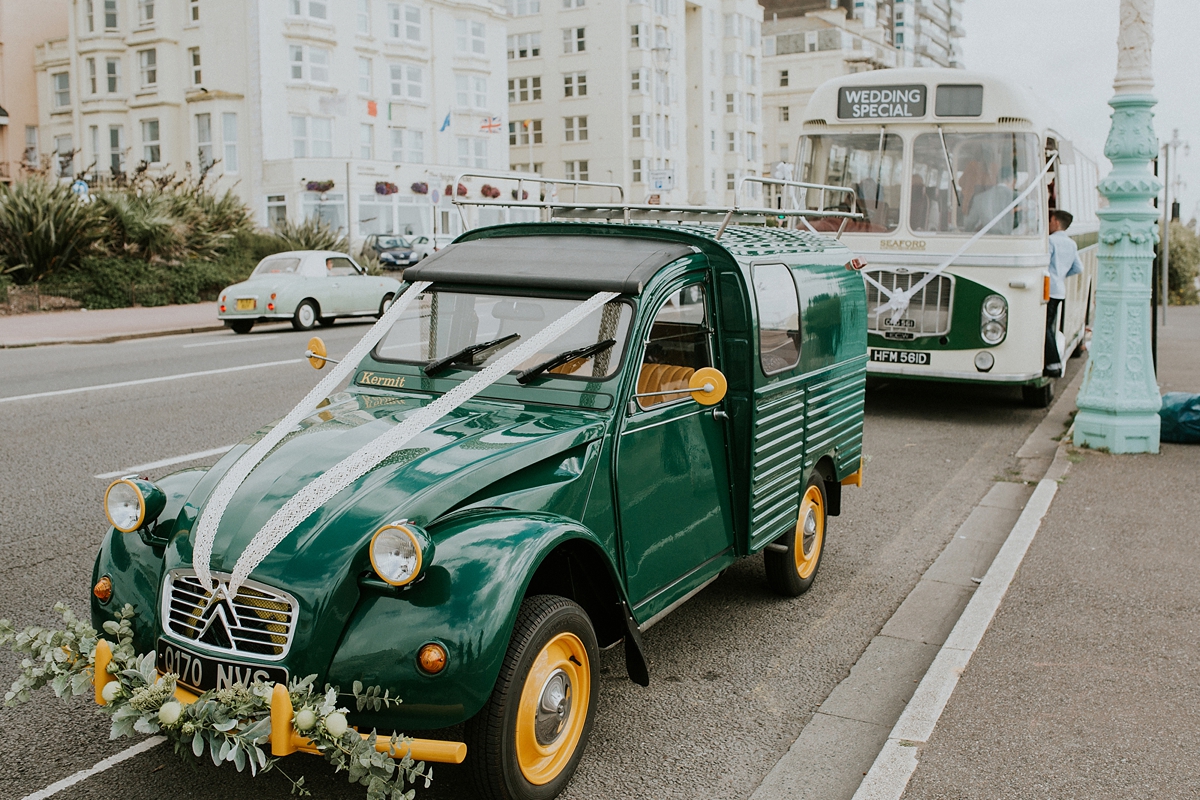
point(917, 357)
point(202, 673)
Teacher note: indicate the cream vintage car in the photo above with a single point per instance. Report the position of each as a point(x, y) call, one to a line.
point(308, 287)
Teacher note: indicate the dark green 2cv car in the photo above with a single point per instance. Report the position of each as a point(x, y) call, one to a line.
point(709, 411)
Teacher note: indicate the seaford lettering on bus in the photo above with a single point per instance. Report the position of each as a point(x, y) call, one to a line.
point(879, 102)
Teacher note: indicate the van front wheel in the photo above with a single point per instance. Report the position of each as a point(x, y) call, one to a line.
point(526, 742)
point(793, 558)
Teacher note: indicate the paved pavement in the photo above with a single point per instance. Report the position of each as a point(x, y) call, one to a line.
point(1087, 683)
point(105, 325)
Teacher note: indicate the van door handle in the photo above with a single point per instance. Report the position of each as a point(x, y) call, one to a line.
point(720, 415)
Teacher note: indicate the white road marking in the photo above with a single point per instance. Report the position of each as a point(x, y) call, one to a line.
point(143, 381)
point(166, 462)
point(84, 774)
point(897, 761)
point(223, 340)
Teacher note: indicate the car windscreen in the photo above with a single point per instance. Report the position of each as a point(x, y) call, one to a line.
point(276, 265)
point(392, 243)
point(441, 323)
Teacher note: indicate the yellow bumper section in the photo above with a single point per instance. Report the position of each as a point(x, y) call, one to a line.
point(284, 738)
point(855, 478)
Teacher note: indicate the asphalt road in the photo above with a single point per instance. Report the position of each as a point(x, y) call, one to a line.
point(735, 673)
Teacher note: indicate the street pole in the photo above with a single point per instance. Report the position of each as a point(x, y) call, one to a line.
point(1169, 149)
point(1119, 400)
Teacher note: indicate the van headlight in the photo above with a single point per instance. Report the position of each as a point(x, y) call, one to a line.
point(130, 503)
point(399, 551)
point(993, 322)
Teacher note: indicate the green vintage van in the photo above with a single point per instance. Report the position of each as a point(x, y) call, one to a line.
point(706, 408)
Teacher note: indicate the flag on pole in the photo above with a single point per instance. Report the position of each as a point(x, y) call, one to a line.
point(490, 125)
point(445, 123)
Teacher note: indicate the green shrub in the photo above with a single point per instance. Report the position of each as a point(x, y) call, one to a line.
point(1184, 266)
point(44, 229)
point(312, 234)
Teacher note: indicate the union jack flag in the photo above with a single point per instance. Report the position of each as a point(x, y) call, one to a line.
point(490, 125)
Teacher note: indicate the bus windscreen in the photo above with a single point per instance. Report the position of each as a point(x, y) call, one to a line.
point(961, 181)
point(870, 163)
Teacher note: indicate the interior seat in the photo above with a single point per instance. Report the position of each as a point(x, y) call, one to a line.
point(662, 378)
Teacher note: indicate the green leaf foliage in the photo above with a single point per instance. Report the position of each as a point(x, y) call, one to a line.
point(230, 725)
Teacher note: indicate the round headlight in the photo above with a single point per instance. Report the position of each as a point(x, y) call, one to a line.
point(399, 551)
point(992, 332)
point(130, 503)
point(995, 306)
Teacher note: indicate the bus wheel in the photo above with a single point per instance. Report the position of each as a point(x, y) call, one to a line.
point(526, 741)
point(1038, 396)
point(792, 568)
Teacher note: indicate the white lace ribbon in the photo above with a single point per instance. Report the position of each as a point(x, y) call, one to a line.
point(323, 489)
point(898, 299)
point(214, 509)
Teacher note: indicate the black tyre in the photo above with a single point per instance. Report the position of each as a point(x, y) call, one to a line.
point(306, 316)
point(1038, 396)
point(326, 322)
point(385, 304)
point(526, 741)
point(241, 325)
point(792, 568)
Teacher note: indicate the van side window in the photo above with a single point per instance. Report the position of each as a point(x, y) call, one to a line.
point(677, 346)
point(778, 318)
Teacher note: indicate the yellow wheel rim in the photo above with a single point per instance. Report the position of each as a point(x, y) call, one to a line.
point(553, 708)
point(810, 532)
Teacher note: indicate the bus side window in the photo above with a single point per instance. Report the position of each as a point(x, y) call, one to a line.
point(778, 318)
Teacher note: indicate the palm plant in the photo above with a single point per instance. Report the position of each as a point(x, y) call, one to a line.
point(44, 228)
point(312, 234)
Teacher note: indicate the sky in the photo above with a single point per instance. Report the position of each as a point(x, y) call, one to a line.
point(1067, 51)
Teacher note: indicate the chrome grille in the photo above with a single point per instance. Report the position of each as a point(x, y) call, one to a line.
point(928, 312)
point(259, 621)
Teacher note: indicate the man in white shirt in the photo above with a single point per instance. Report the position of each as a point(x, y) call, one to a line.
point(1064, 262)
point(986, 204)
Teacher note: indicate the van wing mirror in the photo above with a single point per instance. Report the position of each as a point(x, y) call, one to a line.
point(707, 386)
point(316, 353)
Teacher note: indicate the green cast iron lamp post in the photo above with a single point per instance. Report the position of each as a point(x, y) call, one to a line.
point(1119, 400)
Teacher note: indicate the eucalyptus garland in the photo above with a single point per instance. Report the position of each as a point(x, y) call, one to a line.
point(231, 725)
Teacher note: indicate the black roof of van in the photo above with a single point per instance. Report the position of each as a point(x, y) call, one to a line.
point(574, 263)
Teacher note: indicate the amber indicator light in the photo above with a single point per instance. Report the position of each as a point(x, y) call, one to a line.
point(103, 589)
point(432, 658)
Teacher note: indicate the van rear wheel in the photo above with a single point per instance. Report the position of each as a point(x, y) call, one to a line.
point(527, 740)
point(1038, 396)
point(792, 567)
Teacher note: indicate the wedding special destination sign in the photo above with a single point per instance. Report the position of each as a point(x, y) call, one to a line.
point(881, 102)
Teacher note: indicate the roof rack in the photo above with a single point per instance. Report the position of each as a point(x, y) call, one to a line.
point(552, 208)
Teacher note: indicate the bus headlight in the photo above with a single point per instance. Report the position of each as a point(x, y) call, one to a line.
point(993, 322)
point(399, 551)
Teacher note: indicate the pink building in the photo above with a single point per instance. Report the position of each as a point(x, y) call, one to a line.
point(23, 26)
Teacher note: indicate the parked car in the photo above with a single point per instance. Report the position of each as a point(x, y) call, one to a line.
point(425, 246)
point(707, 408)
point(308, 287)
point(391, 251)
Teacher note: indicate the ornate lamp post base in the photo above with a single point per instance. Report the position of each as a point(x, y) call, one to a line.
point(1119, 400)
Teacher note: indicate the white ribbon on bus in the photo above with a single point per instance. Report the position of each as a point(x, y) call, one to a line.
point(314, 495)
point(898, 299)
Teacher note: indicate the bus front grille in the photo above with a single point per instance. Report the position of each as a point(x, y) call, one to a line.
point(928, 312)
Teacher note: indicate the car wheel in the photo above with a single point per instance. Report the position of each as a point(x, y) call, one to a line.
point(241, 325)
point(527, 740)
point(306, 316)
point(1038, 396)
point(792, 569)
point(385, 304)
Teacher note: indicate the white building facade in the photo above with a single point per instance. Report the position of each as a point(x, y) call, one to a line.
point(342, 109)
point(660, 96)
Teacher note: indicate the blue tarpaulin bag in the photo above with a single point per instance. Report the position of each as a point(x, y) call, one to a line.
point(1180, 414)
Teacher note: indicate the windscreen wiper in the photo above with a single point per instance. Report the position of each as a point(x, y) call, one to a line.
point(470, 351)
point(525, 376)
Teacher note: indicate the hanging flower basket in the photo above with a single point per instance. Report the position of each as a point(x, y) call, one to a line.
point(385, 188)
point(524, 195)
point(487, 190)
point(462, 190)
point(318, 186)
point(420, 188)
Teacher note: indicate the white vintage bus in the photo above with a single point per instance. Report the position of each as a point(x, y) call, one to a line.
point(933, 156)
